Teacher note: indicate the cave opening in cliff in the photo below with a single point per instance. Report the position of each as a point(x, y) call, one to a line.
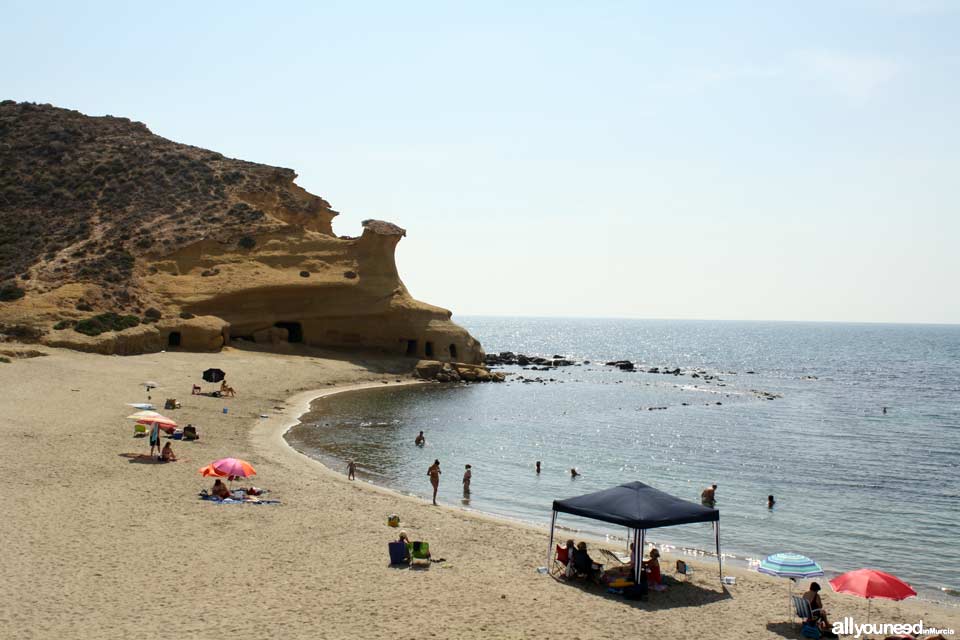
point(294, 330)
point(428, 349)
point(173, 340)
point(411, 347)
point(453, 352)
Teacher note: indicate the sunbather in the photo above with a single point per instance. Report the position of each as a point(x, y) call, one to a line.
point(167, 454)
point(220, 490)
point(819, 613)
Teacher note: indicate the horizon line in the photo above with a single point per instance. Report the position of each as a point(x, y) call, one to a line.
point(587, 317)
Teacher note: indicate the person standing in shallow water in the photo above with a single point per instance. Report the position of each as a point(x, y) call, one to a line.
point(770, 502)
point(351, 470)
point(419, 440)
point(538, 467)
point(467, 475)
point(708, 497)
point(434, 473)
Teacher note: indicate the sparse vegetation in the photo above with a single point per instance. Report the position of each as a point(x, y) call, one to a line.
point(247, 242)
point(64, 324)
point(151, 196)
point(106, 322)
point(5, 359)
point(10, 292)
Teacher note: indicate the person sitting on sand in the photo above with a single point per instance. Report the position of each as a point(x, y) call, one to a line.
point(819, 617)
point(220, 490)
point(652, 569)
point(420, 440)
point(167, 454)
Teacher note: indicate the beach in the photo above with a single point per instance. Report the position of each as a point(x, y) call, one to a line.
point(100, 543)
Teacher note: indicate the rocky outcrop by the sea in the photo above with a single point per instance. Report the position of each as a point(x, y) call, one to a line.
point(115, 240)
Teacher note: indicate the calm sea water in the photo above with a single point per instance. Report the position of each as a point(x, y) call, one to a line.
point(854, 487)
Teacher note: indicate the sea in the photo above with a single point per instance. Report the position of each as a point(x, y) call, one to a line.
point(853, 428)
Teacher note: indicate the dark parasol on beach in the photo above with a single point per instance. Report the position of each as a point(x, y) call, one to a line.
point(214, 375)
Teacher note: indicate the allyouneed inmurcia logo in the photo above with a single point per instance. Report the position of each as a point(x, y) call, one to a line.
point(847, 627)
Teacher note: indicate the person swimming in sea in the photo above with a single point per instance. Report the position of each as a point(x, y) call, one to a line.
point(420, 440)
point(574, 473)
point(770, 502)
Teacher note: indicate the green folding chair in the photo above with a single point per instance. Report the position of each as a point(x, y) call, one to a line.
point(419, 551)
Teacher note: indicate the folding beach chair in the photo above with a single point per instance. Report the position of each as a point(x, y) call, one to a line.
point(683, 569)
point(139, 430)
point(808, 625)
point(419, 551)
point(561, 560)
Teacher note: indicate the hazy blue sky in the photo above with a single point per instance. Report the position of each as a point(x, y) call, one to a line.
point(728, 160)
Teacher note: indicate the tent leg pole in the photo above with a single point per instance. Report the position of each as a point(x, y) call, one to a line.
point(719, 557)
point(636, 556)
point(553, 522)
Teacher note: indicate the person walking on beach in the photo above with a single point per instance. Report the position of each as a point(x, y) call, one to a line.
point(351, 470)
point(155, 439)
point(420, 440)
point(434, 473)
point(467, 475)
point(708, 497)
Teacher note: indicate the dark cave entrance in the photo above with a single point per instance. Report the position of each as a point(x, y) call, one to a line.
point(428, 349)
point(453, 352)
point(294, 330)
point(411, 347)
point(173, 340)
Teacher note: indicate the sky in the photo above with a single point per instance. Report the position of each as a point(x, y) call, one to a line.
point(734, 160)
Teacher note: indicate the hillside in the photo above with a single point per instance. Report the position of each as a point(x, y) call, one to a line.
point(116, 240)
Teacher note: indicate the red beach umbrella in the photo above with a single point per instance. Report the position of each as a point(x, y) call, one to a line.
point(870, 583)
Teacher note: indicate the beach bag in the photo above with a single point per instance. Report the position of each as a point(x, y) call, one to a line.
point(809, 630)
point(393, 520)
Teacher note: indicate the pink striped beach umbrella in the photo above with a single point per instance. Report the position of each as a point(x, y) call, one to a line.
point(233, 468)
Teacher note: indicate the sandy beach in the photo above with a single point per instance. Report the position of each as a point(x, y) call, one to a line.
point(100, 543)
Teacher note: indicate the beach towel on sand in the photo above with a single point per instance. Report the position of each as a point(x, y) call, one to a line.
point(233, 501)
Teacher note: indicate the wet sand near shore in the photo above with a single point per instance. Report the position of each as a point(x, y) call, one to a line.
point(99, 543)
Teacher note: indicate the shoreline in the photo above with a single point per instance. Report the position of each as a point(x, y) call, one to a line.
point(303, 402)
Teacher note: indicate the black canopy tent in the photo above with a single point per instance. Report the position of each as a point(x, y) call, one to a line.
point(638, 507)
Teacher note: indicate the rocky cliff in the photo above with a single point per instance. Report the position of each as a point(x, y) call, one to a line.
point(115, 240)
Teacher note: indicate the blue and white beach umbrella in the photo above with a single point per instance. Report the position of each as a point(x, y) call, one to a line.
point(790, 565)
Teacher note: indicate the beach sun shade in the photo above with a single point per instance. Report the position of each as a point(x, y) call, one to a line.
point(790, 565)
point(149, 384)
point(140, 405)
point(210, 471)
point(214, 375)
point(639, 507)
point(234, 468)
point(870, 583)
point(151, 416)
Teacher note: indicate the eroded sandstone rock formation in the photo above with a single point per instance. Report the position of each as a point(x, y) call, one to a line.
point(196, 249)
